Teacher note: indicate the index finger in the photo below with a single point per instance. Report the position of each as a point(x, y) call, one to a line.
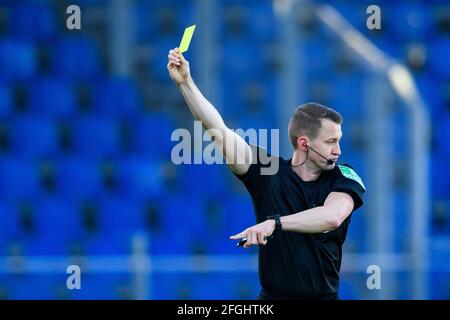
point(237, 236)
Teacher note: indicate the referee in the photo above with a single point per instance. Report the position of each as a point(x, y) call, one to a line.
point(303, 210)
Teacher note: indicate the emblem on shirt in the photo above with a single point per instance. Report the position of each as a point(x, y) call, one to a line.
point(351, 174)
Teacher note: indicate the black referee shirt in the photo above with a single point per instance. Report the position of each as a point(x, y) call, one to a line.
point(294, 265)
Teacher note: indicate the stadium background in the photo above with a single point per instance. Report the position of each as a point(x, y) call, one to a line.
point(86, 118)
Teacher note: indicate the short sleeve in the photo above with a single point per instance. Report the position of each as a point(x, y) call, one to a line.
point(259, 171)
point(348, 181)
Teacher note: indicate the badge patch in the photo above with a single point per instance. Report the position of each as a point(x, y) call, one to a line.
point(351, 174)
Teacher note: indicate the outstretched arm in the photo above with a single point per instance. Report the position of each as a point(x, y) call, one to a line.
point(235, 150)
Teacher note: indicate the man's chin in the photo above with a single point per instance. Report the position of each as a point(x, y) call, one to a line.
point(329, 166)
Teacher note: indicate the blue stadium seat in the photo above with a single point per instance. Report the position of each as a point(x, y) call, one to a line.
point(246, 285)
point(44, 141)
point(235, 22)
point(317, 57)
point(433, 94)
point(116, 97)
point(183, 211)
point(347, 290)
point(9, 225)
point(168, 243)
point(257, 98)
point(104, 286)
point(347, 96)
point(153, 23)
point(18, 178)
point(439, 175)
point(173, 286)
point(264, 138)
point(17, 59)
point(39, 286)
point(438, 63)
point(120, 216)
point(262, 25)
point(76, 58)
point(222, 289)
point(141, 177)
point(35, 21)
point(408, 21)
point(6, 100)
point(402, 222)
point(194, 285)
point(95, 136)
point(240, 211)
point(241, 60)
point(186, 211)
point(104, 243)
point(439, 283)
point(57, 226)
point(145, 26)
point(356, 237)
point(195, 177)
point(52, 97)
point(78, 178)
point(441, 134)
point(151, 135)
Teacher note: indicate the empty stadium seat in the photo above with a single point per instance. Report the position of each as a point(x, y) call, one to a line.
point(9, 225)
point(96, 136)
point(141, 177)
point(34, 137)
point(78, 178)
point(52, 97)
point(6, 100)
point(441, 133)
point(76, 58)
point(173, 286)
point(32, 20)
point(18, 178)
point(40, 286)
point(439, 175)
point(100, 137)
point(17, 59)
point(121, 216)
point(439, 67)
point(105, 243)
point(262, 24)
point(116, 97)
point(347, 96)
point(57, 226)
point(151, 136)
point(408, 21)
point(104, 286)
point(195, 177)
point(241, 60)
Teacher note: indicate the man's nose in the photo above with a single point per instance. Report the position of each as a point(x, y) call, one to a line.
point(337, 151)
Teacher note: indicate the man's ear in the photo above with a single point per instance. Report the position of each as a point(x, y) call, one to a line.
point(302, 143)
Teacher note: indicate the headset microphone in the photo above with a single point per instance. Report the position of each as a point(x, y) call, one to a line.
point(329, 161)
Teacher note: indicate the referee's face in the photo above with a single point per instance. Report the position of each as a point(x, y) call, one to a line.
point(327, 143)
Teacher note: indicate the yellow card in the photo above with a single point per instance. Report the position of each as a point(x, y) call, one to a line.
point(186, 40)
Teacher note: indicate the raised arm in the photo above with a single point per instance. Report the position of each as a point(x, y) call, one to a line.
point(236, 151)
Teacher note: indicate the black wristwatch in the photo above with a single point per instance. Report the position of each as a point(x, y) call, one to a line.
point(276, 217)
